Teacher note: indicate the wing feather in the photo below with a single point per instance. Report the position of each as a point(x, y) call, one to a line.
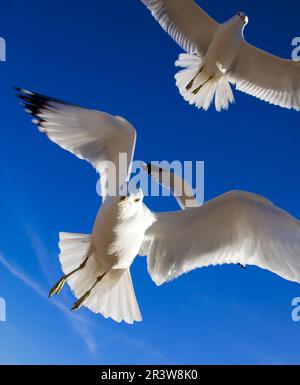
point(181, 190)
point(190, 26)
point(91, 135)
point(267, 77)
point(236, 227)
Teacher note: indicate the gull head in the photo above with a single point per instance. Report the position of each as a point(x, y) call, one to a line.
point(238, 22)
point(242, 18)
point(132, 202)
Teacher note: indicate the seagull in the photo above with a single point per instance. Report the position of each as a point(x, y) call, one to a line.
point(234, 228)
point(217, 55)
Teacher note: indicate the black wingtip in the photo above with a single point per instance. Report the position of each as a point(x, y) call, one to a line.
point(41, 102)
point(19, 89)
point(23, 91)
point(32, 96)
point(32, 102)
point(149, 168)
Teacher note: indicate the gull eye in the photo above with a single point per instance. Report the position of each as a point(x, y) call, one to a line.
point(137, 200)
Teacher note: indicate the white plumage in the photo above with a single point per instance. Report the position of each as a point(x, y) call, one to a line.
point(180, 189)
point(218, 55)
point(236, 227)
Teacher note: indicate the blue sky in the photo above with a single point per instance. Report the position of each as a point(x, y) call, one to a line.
point(112, 55)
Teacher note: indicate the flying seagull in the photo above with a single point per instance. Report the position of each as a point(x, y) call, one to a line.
point(237, 227)
point(217, 55)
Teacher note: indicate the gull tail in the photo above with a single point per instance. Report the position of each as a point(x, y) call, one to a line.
point(113, 296)
point(199, 87)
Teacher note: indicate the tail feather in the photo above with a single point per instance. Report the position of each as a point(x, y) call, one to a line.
point(113, 296)
point(217, 88)
point(74, 248)
point(224, 95)
point(205, 96)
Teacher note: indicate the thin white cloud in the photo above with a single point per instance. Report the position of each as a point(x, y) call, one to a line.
point(22, 276)
point(79, 323)
point(40, 250)
point(145, 348)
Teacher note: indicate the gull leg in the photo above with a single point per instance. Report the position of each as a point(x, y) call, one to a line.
point(199, 88)
point(56, 289)
point(86, 295)
point(190, 85)
point(242, 266)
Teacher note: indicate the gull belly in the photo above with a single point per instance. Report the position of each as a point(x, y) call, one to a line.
point(223, 49)
point(119, 232)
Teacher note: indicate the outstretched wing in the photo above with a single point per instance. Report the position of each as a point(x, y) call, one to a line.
point(191, 27)
point(181, 190)
point(92, 135)
point(236, 227)
point(267, 77)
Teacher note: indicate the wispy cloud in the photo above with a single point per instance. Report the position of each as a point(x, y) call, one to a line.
point(22, 276)
point(40, 251)
point(79, 323)
point(147, 350)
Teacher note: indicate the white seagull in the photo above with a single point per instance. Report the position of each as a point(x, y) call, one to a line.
point(237, 227)
point(218, 55)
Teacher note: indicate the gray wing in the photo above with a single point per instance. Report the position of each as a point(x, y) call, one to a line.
point(267, 77)
point(236, 227)
point(190, 26)
point(92, 135)
point(181, 190)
